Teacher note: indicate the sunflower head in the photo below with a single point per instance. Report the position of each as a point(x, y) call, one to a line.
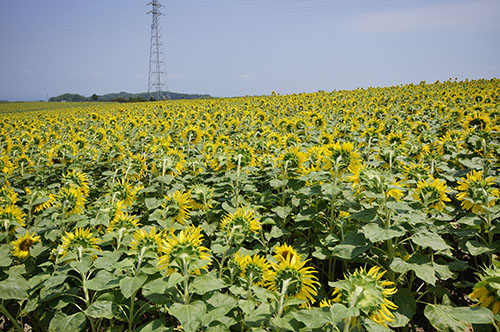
point(486, 292)
point(177, 206)
point(432, 193)
point(284, 252)
point(184, 252)
point(21, 246)
point(10, 217)
point(123, 221)
point(477, 192)
point(292, 162)
point(80, 240)
point(240, 224)
point(78, 179)
point(142, 239)
point(292, 277)
point(70, 200)
point(256, 269)
point(366, 291)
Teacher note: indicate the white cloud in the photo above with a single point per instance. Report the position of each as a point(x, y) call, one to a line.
point(95, 74)
point(243, 77)
point(468, 15)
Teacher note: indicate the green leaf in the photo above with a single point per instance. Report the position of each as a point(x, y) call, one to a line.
point(103, 280)
point(476, 248)
point(14, 289)
point(189, 315)
point(351, 247)
point(427, 239)
point(339, 312)
point(407, 307)
point(152, 203)
point(365, 215)
point(154, 326)
point(62, 322)
point(5, 259)
point(473, 315)
point(421, 265)
point(282, 211)
point(440, 316)
point(101, 309)
point(207, 283)
point(106, 260)
point(275, 183)
point(130, 285)
point(220, 305)
point(375, 233)
point(313, 318)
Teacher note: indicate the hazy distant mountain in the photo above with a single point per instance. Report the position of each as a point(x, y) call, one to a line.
point(128, 97)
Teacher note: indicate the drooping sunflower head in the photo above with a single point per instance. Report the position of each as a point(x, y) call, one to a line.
point(201, 197)
point(415, 172)
point(136, 167)
point(123, 221)
point(6, 166)
point(241, 223)
point(256, 269)
point(242, 155)
point(142, 239)
point(294, 278)
point(292, 162)
point(486, 292)
point(366, 291)
point(477, 121)
point(21, 246)
point(344, 157)
point(179, 252)
point(81, 239)
point(477, 192)
point(177, 206)
point(10, 217)
point(7, 196)
point(122, 190)
point(78, 179)
point(432, 193)
point(192, 134)
point(70, 200)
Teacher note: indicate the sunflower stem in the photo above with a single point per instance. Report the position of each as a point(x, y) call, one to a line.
point(282, 297)
point(185, 273)
point(12, 319)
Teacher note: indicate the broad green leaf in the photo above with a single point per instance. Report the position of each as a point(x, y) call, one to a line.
point(473, 315)
point(106, 260)
point(351, 247)
point(313, 318)
point(427, 239)
point(407, 307)
point(421, 265)
point(207, 283)
point(154, 326)
point(152, 203)
point(282, 211)
point(365, 215)
point(189, 315)
point(220, 305)
point(62, 322)
point(476, 248)
point(5, 259)
point(339, 312)
point(130, 285)
point(14, 289)
point(101, 309)
point(440, 316)
point(375, 233)
point(103, 280)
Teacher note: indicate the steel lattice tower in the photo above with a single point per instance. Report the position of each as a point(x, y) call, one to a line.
point(156, 62)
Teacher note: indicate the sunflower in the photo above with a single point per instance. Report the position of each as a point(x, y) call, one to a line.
point(292, 277)
point(432, 193)
point(256, 269)
point(366, 291)
point(11, 217)
point(142, 239)
point(81, 238)
point(192, 134)
point(415, 172)
point(179, 251)
point(242, 155)
point(174, 161)
point(344, 157)
point(316, 157)
point(71, 200)
point(21, 246)
point(477, 121)
point(177, 206)
point(292, 162)
point(137, 167)
point(123, 190)
point(7, 196)
point(486, 292)
point(476, 192)
point(6, 166)
point(325, 138)
point(284, 252)
point(201, 197)
point(241, 223)
point(79, 180)
point(125, 221)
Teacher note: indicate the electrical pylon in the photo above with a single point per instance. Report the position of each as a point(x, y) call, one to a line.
point(156, 62)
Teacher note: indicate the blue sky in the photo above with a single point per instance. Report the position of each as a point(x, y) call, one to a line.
point(244, 47)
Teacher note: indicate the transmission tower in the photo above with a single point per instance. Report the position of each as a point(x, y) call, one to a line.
point(156, 62)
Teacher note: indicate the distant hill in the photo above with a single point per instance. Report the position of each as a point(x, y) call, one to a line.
point(128, 97)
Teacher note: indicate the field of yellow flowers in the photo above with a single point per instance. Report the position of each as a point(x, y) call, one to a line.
point(367, 210)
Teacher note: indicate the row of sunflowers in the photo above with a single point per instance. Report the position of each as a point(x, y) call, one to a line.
point(367, 210)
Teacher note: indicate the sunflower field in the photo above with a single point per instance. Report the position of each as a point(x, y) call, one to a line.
point(367, 210)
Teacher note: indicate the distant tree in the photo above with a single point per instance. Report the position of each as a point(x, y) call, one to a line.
point(94, 97)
